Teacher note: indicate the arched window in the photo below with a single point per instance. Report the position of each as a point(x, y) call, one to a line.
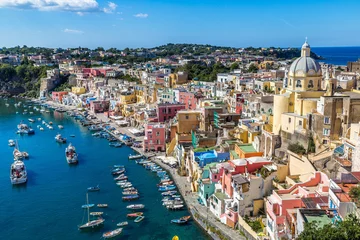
point(298, 83)
point(311, 84)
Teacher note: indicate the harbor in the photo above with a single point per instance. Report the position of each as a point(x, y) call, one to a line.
point(50, 202)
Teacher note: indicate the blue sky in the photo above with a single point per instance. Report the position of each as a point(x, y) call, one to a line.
point(149, 23)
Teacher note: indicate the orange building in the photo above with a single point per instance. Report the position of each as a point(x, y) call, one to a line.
point(244, 151)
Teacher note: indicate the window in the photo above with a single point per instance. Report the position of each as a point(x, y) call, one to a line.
point(300, 123)
point(326, 120)
point(326, 132)
point(311, 84)
point(157, 133)
point(158, 141)
point(169, 110)
point(151, 142)
point(186, 116)
point(289, 120)
point(325, 141)
point(298, 83)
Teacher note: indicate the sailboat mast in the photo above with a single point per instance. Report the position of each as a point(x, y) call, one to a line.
point(87, 202)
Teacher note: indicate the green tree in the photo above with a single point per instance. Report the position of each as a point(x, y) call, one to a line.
point(252, 68)
point(234, 66)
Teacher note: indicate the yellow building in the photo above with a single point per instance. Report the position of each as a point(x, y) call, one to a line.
point(302, 90)
point(127, 97)
point(187, 121)
point(78, 90)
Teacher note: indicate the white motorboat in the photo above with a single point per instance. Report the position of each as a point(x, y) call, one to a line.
point(71, 155)
point(18, 174)
point(11, 143)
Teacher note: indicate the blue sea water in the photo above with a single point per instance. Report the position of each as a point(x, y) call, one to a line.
point(49, 205)
point(337, 55)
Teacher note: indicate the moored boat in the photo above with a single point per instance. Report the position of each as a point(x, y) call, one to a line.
point(93, 189)
point(11, 143)
point(139, 219)
point(121, 224)
point(167, 188)
point(60, 139)
point(130, 197)
point(25, 129)
point(96, 213)
point(133, 157)
point(135, 206)
point(88, 205)
point(102, 205)
point(134, 215)
point(112, 234)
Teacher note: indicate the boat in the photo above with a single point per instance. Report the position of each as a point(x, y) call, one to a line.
point(93, 189)
point(17, 154)
point(129, 189)
point(115, 144)
point(169, 193)
point(102, 205)
point(181, 220)
point(175, 206)
point(167, 188)
point(24, 129)
point(118, 172)
point(51, 128)
point(11, 143)
point(112, 234)
point(93, 223)
point(72, 135)
point(95, 128)
point(133, 157)
point(41, 129)
point(125, 185)
point(120, 178)
point(25, 155)
point(130, 197)
point(60, 126)
point(130, 192)
point(60, 139)
point(121, 224)
point(167, 183)
point(70, 154)
point(88, 205)
point(50, 123)
point(139, 219)
point(96, 213)
point(31, 120)
point(18, 174)
point(135, 206)
point(134, 215)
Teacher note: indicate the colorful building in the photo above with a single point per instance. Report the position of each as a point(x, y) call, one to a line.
point(167, 111)
point(155, 137)
point(98, 106)
point(58, 96)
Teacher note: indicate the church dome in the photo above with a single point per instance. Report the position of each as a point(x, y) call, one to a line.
point(305, 65)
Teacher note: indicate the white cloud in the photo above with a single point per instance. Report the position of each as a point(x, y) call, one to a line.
point(110, 8)
point(119, 13)
point(80, 13)
point(78, 6)
point(141, 15)
point(66, 30)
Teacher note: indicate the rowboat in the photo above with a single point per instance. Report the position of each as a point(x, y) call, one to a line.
point(121, 224)
point(129, 189)
point(88, 205)
point(167, 188)
point(130, 192)
point(119, 178)
point(181, 221)
point(133, 157)
point(118, 172)
point(169, 193)
point(102, 205)
point(131, 215)
point(93, 189)
point(113, 233)
point(165, 183)
point(96, 213)
point(135, 206)
point(175, 207)
point(130, 197)
point(139, 219)
point(119, 166)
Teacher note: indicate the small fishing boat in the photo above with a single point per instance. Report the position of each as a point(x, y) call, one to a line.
point(115, 144)
point(31, 120)
point(60, 139)
point(102, 205)
point(122, 182)
point(139, 219)
point(60, 126)
point(179, 221)
point(130, 197)
point(126, 185)
point(169, 193)
point(175, 207)
point(167, 188)
point(18, 174)
point(25, 129)
point(133, 157)
point(130, 192)
point(41, 129)
point(96, 213)
point(121, 224)
point(118, 172)
point(25, 155)
point(88, 205)
point(129, 189)
point(134, 215)
point(11, 143)
point(71, 155)
point(93, 189)
point(50, 123)
point(165, 183)
point(135, 206)
point(112, 234)
point(120, 178)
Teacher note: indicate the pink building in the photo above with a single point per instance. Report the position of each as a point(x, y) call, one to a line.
point(167, 111)
point(96, 72)
point(98, 106)
point(185, 97)
point(281, 205)
point(155, 137)
point(58, 96)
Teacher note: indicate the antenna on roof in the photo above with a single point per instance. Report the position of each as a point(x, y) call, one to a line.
point(306, 39)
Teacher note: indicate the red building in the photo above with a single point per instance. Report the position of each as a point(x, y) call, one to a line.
point(188, 98)
point(58, 96)
point(155, 137)
point(167, 111)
